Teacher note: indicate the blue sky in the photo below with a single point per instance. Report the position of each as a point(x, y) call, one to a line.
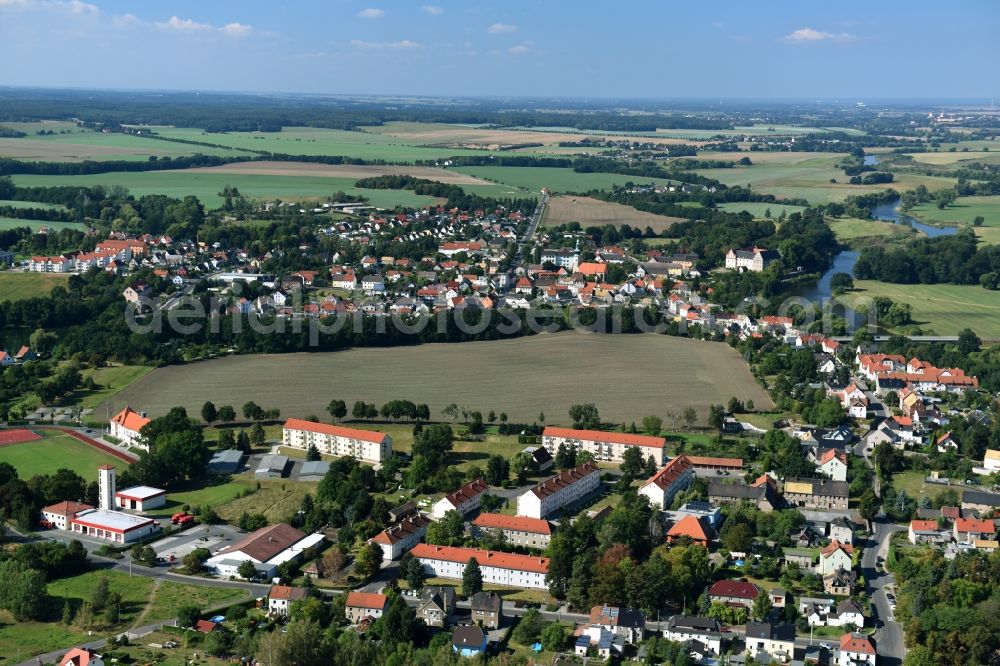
point(639, 49)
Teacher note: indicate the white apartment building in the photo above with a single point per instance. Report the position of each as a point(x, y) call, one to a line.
point(465, 499)
point(518, 530)
point(662, 487)
point(367, 445)
point(556, 492)
point(604, 446)
point(497, 568)
point(401, 537)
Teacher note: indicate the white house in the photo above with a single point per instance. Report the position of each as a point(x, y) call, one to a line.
point(526, 571)
point(401, 537)
point(281, 597)
point(833, 464)
point(125, 427)
point(369, 446)
point(360, 605)
point(266, 549)
point(662, 487)
point(560, 490)
point(465, 499)
point(705, 630)
point(140, 498)
point(856, 650)
point(991, 460)
point(835, 556)
point(61, 515)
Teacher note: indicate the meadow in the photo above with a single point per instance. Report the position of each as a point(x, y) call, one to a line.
point(855, 231)
point(110, 380)
point(963, 211)
point(53, 452)
point(533, 179)
point(522, 377)
point(35, 225)
point(759, 210)
point(30, 204)
point(17, 285)
point(594, 212)
point(941, 309)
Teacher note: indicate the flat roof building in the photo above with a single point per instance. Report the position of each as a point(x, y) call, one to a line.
point(271, 466)
point(227, 461)
point(140, 498)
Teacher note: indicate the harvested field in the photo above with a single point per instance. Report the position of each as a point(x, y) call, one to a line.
point(594, 212)
point(342, 171)
point(468, 136)
point(627, 376)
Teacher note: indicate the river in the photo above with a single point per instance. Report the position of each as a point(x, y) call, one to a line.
point(889, 212)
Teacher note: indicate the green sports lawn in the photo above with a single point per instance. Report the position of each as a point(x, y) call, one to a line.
point(16, 285)
point(56, 451)
point(533, 179)
point(941, 309)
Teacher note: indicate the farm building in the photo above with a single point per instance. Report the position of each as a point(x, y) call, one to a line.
point(125, 426)
point(603, 446)
point(367, 445)
point(227, 461)
point(271, 466)
point(140, 498)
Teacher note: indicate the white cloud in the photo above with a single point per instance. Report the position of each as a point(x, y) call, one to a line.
point(434, 10)
point(371, 13)
point(236, 29)
point(182, 25)
point(500, 28)
point(71, 6)
point(810, 36)
point(402, 44)
point(521, 49)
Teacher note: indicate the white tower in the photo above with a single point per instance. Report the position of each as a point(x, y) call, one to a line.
point(106, 487)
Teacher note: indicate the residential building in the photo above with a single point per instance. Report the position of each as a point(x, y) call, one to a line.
point(468, 641)
point(833, 464)
point(603, 446)
point(464, 500)
point(558, 491)
point(369, 446)
point(856, 650)
point(835, 556)
point(265, 548)
point(281, 597)
point(991, 461)
point(840, 582)
point(562, 258)
point(776, 640)
point(517, 530)
point(541, 456)
point(706, 630)
point(841, 529)
point(816, 493)
point(968, 530)
point(689, 527)
point(625, 622)
point(125, 426)
point(764, 495)
point(733, 593)
point(140, 498)
point(361, 605)
point(926, 531)
point(81, 657)
point(437, 602)
point(487, 609)
point(981, 502)
point(662, 487)
point(755, 260)
point(402, 536)
point(525, 571)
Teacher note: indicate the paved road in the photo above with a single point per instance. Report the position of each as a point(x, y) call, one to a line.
point(525, 242)
point(889, 638)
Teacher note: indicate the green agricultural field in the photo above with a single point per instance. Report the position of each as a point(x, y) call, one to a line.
point(317, 141)
point(525, 376)
point(111, 380)
point(850, 230)
point(942, 309)
point(533, 179)
point(810, 179)
point(30, 204)
point(963, 211)
point(760, 209)
point(16, 285)
point(55, 451)
point(207, 184)
point(34, 225)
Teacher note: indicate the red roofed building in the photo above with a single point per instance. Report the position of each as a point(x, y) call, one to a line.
point(734, 593)
point(924, 531)
point(125, 426)
point(856, 650)
point(603, 446)
point(525, 571)
point(969, 529)
point(712, 463)
point(465, 499)
point(662, 487)
point(689, 527)
point(402, 536)
point(362, 605)
point(81, 657)
point(61, 515)
point(518, 530)
point(558, 491)
point(368, 445)
point(281, 597)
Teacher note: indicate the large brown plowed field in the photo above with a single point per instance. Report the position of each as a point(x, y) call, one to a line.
point(594, 212)
point(626, 376)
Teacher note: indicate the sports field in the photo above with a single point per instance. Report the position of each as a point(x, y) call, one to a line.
point(628, 376)
point(17, 285)
point(942, 309)
point(533, 179)
point(594, 212)
point(55, 451)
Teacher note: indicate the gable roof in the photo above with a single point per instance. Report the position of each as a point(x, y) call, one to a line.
point(856, 643)
point(407, 526)
point(489, 602)
point(673, 471)
point(975, 525)
point(266, 542)
point(130, 419)
point(287, 592)
point(487, 558)
point(366, 600)
point(738, 589)
point(616, 617)
point(564, 479)
point(834, 547)
point(500, 521)
point(77, 657)
point(689, 526)
point(625, 438)
point(337, 431)
point(469, 491)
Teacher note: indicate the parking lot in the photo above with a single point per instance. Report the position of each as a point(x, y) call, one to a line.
point(212, 537)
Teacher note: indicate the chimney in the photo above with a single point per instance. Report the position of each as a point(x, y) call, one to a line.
point(106, 487)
